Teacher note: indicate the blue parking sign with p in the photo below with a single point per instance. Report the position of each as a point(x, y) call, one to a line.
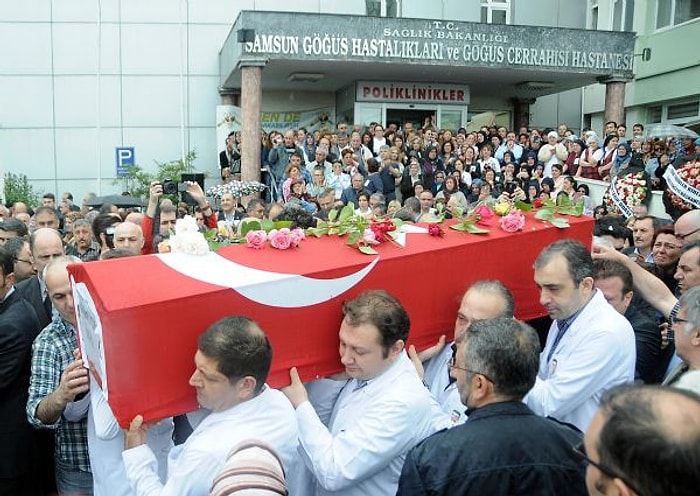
point(125, 156)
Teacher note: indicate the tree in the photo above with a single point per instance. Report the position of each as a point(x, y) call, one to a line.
point(19, 189)
point(138, 182)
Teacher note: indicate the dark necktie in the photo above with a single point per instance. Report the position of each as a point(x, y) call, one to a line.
point(562, 327)
point(47, 306)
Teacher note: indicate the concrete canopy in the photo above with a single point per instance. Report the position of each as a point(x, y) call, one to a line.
point(494, 60)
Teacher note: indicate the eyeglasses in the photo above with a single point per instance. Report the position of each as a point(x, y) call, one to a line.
point(678, 319)
point(683, 236)
point(24, 261)
point(453, 361)
point(580, 450)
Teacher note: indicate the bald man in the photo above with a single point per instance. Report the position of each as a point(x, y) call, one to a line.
point(45, 244)
point(129, 236)
point(687, 227)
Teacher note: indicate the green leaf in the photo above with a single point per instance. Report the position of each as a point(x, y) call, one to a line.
point(459, 227)
point(250, 225)
point(368, 250)
point(317, 231)
point(544, 214)
point(456, 212)
point(354, 238)
point(332, 215)
point(347, 212)
point(280, 224)
point(398, 223)
point(474, 229)
point(521, 205)
point(267, 225)
point(564, 201)
point(559, 222)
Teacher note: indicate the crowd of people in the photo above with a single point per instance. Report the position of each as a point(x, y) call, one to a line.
point(465, 167)
point(604, 401)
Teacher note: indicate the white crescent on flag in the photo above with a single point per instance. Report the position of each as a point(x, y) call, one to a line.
point(267, 288)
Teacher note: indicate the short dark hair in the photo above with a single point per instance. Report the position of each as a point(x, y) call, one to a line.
point(578, 258)
point(693, 244)
point(14, 246)
point(14, 225)
point(50, 196)
point(45, 210)
point(611, 226)
point(645, 449)
point(605, 269)
point(667, 229)
point(101, 223)
point(255, 202)
point(507, 351)
point(382, 310)
point(239, 347)
point(7, 262)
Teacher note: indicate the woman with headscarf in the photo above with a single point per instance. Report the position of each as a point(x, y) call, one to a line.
point(622, 159)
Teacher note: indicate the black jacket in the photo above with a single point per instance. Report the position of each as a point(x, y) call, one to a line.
point(18, 328)
point(502, 449)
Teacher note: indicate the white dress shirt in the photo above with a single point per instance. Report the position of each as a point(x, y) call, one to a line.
point(445, 392)
point(371, 429)
point(596, 353)
point(192, 466)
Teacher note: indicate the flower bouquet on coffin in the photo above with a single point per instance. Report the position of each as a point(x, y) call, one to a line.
point(477, 220)
point(683, 187)
point(361, 233)
point(548, 210)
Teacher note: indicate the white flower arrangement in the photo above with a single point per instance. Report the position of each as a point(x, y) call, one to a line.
point(187, 238)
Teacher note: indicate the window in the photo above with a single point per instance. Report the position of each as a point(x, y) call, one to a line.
point(495, 11)
point(654, 114)
point(593, 20)
point(678, 112)
point(383, 8)
point(623, 13)
point(673, 12)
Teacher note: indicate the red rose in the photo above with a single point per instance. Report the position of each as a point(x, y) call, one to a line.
point(435, 230)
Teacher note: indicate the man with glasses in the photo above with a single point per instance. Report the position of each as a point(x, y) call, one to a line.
point(590, 346)
point(686, 327)
point(687, 227)
point(644, 440)
point(504, 448)
point(18, 248)
point(19, 326)
point(483, 300)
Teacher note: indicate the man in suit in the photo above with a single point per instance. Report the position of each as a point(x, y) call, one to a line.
point(19, 326)
point(45, 245)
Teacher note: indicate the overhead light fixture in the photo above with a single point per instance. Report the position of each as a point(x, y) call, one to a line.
point(305, 77)
point(535, 85)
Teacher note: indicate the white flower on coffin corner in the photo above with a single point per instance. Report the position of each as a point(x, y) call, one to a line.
point(187, 238)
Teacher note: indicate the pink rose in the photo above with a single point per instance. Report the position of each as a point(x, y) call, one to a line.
point(369, 237)
point(297, 235)
point(513, 222)
point(484, 215)
point(281, 239)
point(256, 239)
point(435, 230)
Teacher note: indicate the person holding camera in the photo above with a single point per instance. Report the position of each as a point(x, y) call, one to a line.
point(282, 150)
point(168, 215)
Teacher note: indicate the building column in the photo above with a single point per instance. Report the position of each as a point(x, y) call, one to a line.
point(251, 110)
point(521, 112)
point(614, 98)
point(229, 97)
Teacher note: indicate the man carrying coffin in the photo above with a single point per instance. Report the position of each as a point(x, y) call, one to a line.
point(231, 365)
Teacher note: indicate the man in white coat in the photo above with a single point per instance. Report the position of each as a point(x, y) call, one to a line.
point(590, 346)
point(382, 411)
point(232, 363)
point(483, 300)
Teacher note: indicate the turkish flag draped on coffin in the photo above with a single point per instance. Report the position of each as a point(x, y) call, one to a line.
point(139, 317)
